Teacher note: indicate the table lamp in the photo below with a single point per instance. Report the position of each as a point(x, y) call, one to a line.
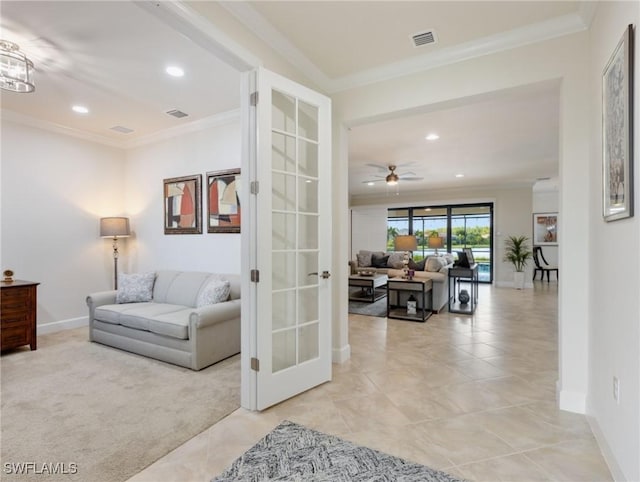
point(407, 243)
point(435, 242)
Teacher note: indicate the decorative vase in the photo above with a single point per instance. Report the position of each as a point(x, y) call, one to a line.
point(464, 297)
point(518, 280)
point(412, 305)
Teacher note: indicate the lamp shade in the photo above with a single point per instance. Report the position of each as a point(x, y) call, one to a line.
point(435, 242)
point(114, 227)
point(406, 242)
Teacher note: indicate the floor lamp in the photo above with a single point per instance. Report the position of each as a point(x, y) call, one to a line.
point(115, 228)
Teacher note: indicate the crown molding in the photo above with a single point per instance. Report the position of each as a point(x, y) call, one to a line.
point(195, 126)
point(261, 27)
point(539, 32)
point(587, 11)
point(530, 34)
point(29, 121)
point(199, 125)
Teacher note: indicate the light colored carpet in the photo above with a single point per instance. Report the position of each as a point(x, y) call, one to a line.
point(110, 412)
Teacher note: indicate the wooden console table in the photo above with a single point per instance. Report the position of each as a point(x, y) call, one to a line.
point(18, 314)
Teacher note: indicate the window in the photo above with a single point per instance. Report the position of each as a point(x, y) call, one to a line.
point(458, 226)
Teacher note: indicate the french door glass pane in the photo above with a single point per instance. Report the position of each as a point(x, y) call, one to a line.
point(295, 207)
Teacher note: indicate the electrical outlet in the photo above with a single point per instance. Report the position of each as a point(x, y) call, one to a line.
point(616, 389)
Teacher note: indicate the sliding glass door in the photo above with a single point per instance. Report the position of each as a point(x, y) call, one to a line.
point(448, 228)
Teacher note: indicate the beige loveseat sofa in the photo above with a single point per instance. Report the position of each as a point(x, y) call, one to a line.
point(436, 268)
point(178, 324)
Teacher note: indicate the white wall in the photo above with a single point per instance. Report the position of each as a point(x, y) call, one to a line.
point(614, 304)
point(54, 190)
point(512, 216)
point(213, 149)
point(368, 229)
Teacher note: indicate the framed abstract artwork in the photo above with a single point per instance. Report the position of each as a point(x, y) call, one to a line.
point(182, 205)
point(545, 229)
point(617, 131)
point(223, 201)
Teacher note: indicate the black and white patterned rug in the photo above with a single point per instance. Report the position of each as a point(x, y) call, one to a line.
point(292, 452)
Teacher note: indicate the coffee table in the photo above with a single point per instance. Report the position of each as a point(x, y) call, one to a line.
point(368, 285)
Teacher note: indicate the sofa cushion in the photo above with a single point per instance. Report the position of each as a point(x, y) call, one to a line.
point(179, 287)
point(435, 263)
point(417, 265)
point(135, 287)
point(216, 290)
point(379, 261)
point(396, 260)
point(364, 258)
point(161, 318)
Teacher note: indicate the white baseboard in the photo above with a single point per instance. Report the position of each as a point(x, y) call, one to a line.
point(56, 326)
point(341, 355)
point(607, 453)
point(575, 402)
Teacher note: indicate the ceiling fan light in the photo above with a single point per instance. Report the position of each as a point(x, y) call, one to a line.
point(16, 70)
point(392, 179)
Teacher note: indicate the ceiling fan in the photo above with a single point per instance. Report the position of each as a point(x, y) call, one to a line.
point(392, 178)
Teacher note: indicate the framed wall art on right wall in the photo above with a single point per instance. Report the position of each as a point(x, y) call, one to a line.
point(617, 131)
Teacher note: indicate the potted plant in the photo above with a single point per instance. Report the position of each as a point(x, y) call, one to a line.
point(518, 253)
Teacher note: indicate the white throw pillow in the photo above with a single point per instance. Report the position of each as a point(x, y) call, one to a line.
point(135, 287)
point(215, 291)
point(396, 260)
point(435, 264)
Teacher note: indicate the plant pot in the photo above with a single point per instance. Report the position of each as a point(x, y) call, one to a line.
point(518, 280)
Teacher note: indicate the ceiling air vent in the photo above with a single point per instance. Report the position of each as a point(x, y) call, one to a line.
point(424, 38)
point(122, 129)
point(177, 113)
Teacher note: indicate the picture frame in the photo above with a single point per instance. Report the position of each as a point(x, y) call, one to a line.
point(183, 205)
point(223, 201)
point(617, 131)
point(469, 253)
point(545, 229)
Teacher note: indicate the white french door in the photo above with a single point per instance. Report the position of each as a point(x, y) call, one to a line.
point(291, 240)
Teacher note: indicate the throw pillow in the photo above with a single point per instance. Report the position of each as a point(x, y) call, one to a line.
point(364, 258)
point(215, 291)
point(417, 265)
point(434, 264)
point(448, 258)
point(135, 287)
point(396, 260)
point(379, 261)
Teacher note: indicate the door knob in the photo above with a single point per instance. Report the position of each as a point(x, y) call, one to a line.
point(324, 275)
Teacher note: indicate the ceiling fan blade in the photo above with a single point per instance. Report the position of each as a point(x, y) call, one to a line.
point(411, 178)
point(379, 167)
point(373, 180)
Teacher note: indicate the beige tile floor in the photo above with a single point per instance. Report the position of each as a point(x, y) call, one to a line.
point(471, 395)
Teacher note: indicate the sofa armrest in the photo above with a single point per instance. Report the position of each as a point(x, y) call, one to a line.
point(101, 298)
point(212, 314)
point(353, 267)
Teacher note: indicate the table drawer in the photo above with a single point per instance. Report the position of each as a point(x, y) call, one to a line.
point(13, 336)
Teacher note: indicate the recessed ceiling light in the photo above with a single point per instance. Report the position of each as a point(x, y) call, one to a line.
point(175, 71)
point(432, 137)
point(459, 175)
point(370, 184)
point(80, 109)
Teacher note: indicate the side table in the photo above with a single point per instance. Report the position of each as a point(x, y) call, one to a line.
point(458, 275)
point(18, 314)
point(398, 292)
